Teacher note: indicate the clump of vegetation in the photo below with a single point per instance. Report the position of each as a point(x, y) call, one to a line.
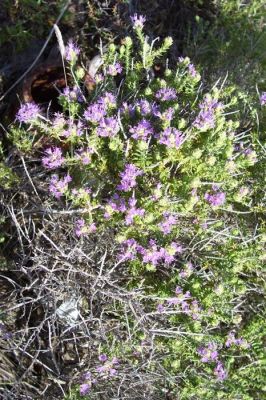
point(152, 222)
point(23, 21)
point(233, 43)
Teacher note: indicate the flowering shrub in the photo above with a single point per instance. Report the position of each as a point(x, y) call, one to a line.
point(165, 167)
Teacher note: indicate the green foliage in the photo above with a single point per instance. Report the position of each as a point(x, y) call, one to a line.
point(27, 20)
point(22, 139)
point(233, 43)
point(7, 177)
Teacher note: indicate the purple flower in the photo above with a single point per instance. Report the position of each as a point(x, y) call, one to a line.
point(167, 256)
point(178, 290)
point(80, 225)
point(206, 116)
point(73, 129)
point(192, 70)
point(180, 299)
point(195, 309)
point(28, 112)
point(115, 361)
point(128, 177)
point(53, 159)
point(101, 369)
point(107, 100)
point(108, 127)
point(114, 69)
point(92, 228)
point(205, 119)
point(142, 130)
point(209, 353)
point(128, 109)
point(81, 229)
point(153, 257)
point(171, 137)
point(167, 115)
point(133, 211)
point(59, 120)
point(176, 248)
point(108, 367)
point(166, 94)
point(138, 21)
point(231, 340)
point(99, 78)
point(128, 250)
point(220, 372)
point(73, 94)
point(216, 199)
point(4, 333)
point(103, 357)
point(72, 51)
point(84, 389)
point(185, 307)
point(84, 156)
point(145, 107)
point(112, 371)
point(263, 99)
point(168, 223)
point(86, 376)
point(187, 271)
point(173, 301)
point(57, 186)
point(95, 113)
point(160, 308)
point(117, 203)
point(251, 155)
point(81, 195)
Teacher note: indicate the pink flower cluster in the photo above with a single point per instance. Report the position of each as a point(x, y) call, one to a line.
point(153, 255)
point(119, 204)
point(84, 155)
point(128, 177)
point(58, 187)
point(53, 159)
point(166, 94)
point(74, 129)
point(73, 94)
point(171, 137)
point(83, 229)
point(187, 271)
point(138, 21)
point(28, 112)
point(184, 301)
point(168, 223)
point(108, 369)
point(263, 99)
point(210, 354)
point(216, 198)
point(72, 51)
point(97, 114)
point(114, 69)
point(233, 341)
point(142, 131)
point(206, 116)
